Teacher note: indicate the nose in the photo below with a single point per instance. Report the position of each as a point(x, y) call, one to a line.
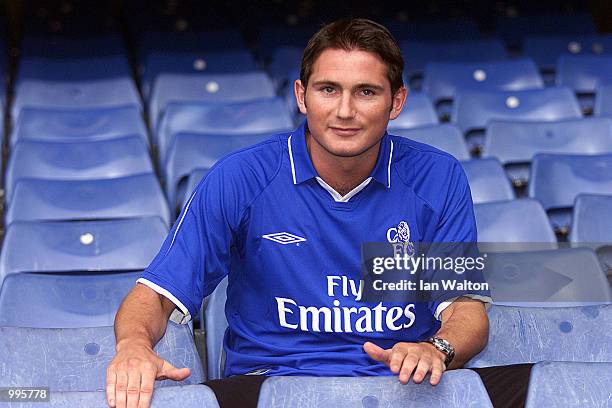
point(346, 107)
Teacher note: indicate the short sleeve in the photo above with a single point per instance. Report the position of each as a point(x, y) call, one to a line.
point(195, 255)
point(457, 228)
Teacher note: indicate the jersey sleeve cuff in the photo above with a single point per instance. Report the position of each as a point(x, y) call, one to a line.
point(484, 299)
point(180, 314)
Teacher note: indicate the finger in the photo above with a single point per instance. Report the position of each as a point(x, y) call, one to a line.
point(111, 380)
point(121, 389)
point(408, 365)
point(133, 388)
point(421, 370)
point(377, 353)
point(396, 360)
point(436, 372)
point(147, 383)
point(169, 372)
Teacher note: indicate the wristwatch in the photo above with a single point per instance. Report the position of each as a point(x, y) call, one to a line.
point(444, 346)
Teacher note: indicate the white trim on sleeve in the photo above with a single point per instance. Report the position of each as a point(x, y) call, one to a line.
point(485, 299)
point(180, 314)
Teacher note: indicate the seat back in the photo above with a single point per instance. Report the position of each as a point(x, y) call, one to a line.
point(76, 359)
point(583, 73)
point(487, 179)
point(445, 137)
point(418, 111)
point(592, 219)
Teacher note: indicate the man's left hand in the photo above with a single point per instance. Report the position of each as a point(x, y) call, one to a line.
point(406, 358)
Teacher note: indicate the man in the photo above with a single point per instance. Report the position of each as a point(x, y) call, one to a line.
point(285, 219)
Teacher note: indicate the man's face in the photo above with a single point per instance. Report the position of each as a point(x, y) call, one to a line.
point(348, 101)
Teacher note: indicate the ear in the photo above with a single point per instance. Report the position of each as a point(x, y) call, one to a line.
point(300, 95)
point(398, 102)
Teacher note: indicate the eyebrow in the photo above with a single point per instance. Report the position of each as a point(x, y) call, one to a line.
point(358, 86)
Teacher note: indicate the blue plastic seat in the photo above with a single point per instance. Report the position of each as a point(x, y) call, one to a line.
point(418, 111)
point(166, 62)
point(273, 37)
point(231, 118)
point(63, 300)
point(444, 137)
point(519, 221)
point(513, 29)
point(184, 396)
point(487, 179)
point(546, 50)
point(515, 143)
point(108, 245)
point(583, 73)
point(530, 335)
point(83, 69)
point(125, 197)
point(186, 41)
point(75, 95)
point(473, 109)
point(207, 88)
point(592, 219)
point(556, 180)
point(216, 325)
point(285, 60)
point(442, 80)
point(458, 388)
point(417, 54)
point(569, 385)
point(101, 159)
point(76, 359)
point(603, 100)
point(46, 46)
point(78, 124)
point(434, 30)
point(200, 150)
point(547, 278)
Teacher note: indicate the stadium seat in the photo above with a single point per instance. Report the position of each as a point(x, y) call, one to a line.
point(444, 137)
point(546, 50)
point(472, 110)
point(76, 359)
point(603, 100)
point(194, 41)
point(592, 219)
point(83, 69)
point(418, 111)
point(184, 396)
point(434, 30)
point(556, 180)
point(108, 245)
point(547, 278)
point(68, 300)
point(72, 95)
point(569, 385)
point(216, 324)
point(285, 60)
point(458, 388)
point(417, 54)
point(77, 160)
point(529, 335)
point(442, 80)
point(200, 150)
point(46, 46)
point(514, 143)
point(78, 124)
point(166, 62)
point(519, 221)
point(583, 73)
point(125, 197)
point(488, 181)
point(513, 29)
point(207, 88)
point(273, 37)
point(230, 118)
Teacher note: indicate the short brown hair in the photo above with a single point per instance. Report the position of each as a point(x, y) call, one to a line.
point(356, 34)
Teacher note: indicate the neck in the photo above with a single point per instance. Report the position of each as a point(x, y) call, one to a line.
point(343, 174)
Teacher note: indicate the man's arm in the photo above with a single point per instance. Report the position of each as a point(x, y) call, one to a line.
point(465, 325)
point(139, 324)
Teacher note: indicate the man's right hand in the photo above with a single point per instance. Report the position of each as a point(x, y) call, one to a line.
point(131, 375)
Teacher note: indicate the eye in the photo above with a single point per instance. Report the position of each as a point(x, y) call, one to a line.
point(327, 89)
point(368, 92)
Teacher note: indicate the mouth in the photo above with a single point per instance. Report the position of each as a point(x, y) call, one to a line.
point(344, 131)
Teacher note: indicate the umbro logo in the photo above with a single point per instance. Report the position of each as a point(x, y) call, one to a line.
point(284, 238)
